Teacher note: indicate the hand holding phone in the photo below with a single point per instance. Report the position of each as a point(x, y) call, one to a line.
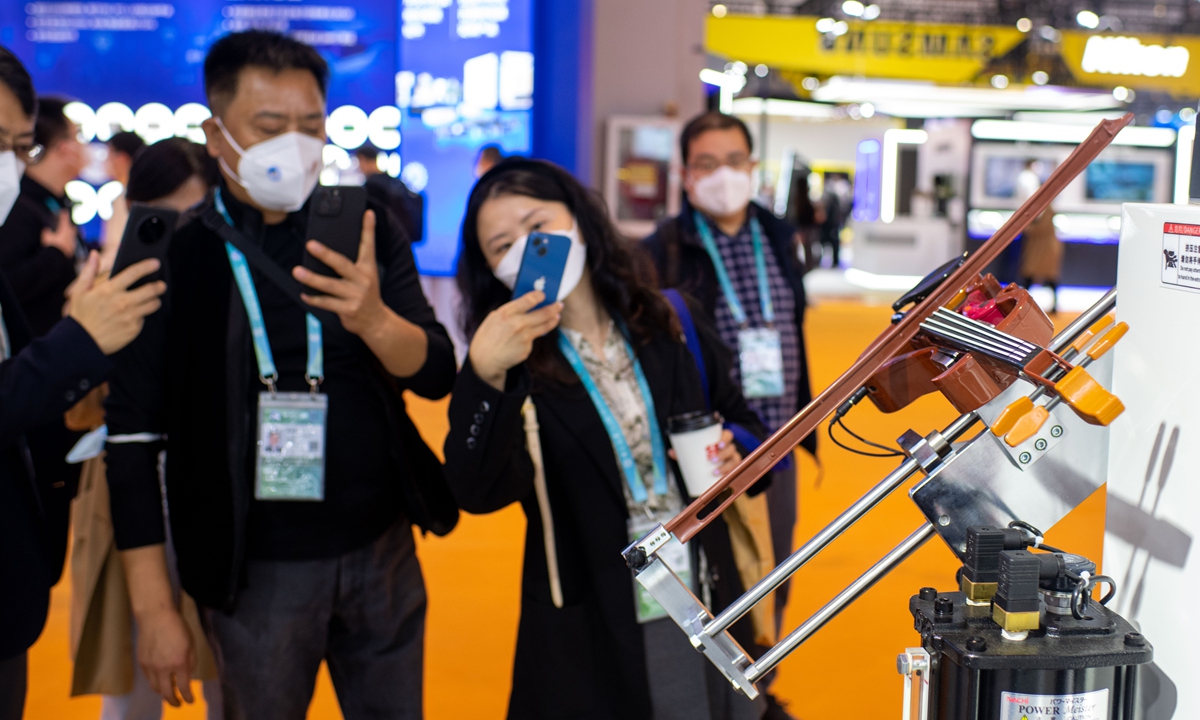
point(147, 236)
point(542, 266)
point(335, 219)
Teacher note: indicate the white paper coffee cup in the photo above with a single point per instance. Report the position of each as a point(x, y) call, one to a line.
point(691, 435)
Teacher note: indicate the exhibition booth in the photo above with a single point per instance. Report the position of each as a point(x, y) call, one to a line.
point(915, 160)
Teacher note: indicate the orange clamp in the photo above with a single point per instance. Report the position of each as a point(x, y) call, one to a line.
point(1088, 398)
point(1096, 328)
point(1009, 416)
point(1027, 425)
point(1108, 340)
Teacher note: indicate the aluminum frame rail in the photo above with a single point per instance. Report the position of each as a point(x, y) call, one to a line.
point(710, 634)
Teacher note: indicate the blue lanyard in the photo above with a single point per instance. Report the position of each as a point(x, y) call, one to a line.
point(315, 370)
point(760, 264)
point(637, 487)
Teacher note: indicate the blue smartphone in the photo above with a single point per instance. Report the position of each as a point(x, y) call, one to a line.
point(542, 266)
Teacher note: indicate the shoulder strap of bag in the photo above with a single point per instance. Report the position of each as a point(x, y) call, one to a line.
point(261, 262)
point(668, 232)
point(741, 435)
point(691, 338)
point(533, 443)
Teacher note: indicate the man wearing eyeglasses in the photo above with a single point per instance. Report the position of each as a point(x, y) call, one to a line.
point(740, 262)
point(40, 378)
point(39, 245)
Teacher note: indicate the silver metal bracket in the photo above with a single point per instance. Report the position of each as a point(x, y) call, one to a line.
point(687, 611)
point(914, 665)
point(928, 451)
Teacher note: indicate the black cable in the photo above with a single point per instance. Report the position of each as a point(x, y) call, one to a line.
point(844, 408)
point(1082, 594)
point(1035, 533)
point(1112, 587)
point(856, 451)
point(890, 451)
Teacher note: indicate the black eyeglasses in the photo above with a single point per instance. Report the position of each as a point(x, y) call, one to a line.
point(28, 153)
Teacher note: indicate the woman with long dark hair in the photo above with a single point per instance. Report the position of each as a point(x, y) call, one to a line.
point(604, 368)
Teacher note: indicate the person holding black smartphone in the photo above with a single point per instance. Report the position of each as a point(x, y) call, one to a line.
point(40, 379)
point(306, 554)
point(604, 368)
point(174, 175)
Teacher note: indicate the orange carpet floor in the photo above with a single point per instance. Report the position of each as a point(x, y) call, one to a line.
point(473, 576)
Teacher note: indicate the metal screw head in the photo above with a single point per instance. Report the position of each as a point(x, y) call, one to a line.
point(1135, 640)
point(1040, 444)
point(943, 520)
point(1056, 431)
point(928, 593)
point(1025, 458)
point(943, 606)
point(976, 644)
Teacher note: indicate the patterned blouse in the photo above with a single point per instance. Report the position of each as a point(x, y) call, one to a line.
point(615, 379)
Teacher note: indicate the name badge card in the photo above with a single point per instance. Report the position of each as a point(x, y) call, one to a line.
point(291, 446)
point(760, 353)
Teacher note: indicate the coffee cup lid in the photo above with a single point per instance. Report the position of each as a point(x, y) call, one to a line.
point(692, 421)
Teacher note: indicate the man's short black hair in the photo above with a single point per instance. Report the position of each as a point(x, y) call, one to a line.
point(52, 124)
point(126, 142)
point(258, 48)
point(14, 75)
point(713, 120)
point(491, 153)
point(367, 150)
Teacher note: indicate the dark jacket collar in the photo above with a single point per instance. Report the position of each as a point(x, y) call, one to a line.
point(39, 193)
point(250, 220)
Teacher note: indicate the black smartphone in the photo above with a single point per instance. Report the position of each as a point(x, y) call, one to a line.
point(147, 235)
point(335, 220)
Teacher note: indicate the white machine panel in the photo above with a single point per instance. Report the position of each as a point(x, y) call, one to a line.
point(1154, 451)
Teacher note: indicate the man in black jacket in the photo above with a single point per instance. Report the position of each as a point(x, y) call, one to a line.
point(392, 193)
point(41, 378)
point(39, 243)
point(289, 498)
point(725, 250)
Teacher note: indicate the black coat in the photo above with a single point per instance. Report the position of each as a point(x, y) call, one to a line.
point(41, 381)
point(187, 376)
point(682, 262)
point(586, 659)
point(38, 274)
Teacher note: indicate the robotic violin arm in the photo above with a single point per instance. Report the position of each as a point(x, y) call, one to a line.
point(1032, 464)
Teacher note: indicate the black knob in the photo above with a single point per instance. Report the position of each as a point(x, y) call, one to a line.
point(928, 594)
point(636, 558)
point(943, 608)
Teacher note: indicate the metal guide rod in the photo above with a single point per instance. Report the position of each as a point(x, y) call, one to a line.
point(831, 532)
point(951, 319)
point(875, 495)
point(721, 495)
point(1081, 323)
point(899, 554)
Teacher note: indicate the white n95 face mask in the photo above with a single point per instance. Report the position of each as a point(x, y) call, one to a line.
point(11, 170)
point(510, 265)
point(724, 192)
point(280, 173)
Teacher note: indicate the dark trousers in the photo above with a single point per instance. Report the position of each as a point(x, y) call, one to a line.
point(781, 504)
point(12, 687)
point(362, 612)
